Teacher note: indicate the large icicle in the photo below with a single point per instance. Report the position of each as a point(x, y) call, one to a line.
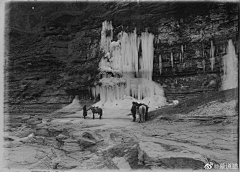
point(172, 59)
point(147, 55)
point(230, 68)
point(160, 64)
point(212, 58)
point(182, 52)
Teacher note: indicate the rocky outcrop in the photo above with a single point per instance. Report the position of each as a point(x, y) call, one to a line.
point(151, 153)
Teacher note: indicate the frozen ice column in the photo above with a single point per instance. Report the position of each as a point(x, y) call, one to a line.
point(230, 68)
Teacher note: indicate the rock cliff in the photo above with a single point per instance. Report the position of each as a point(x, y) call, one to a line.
point(53, 48)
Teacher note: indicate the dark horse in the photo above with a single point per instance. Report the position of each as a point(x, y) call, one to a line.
point(96, 110)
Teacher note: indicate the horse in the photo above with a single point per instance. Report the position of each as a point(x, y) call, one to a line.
point(147, 107)
point(141, 111)
point(96, 110)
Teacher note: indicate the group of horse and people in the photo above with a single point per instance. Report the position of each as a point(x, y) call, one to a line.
point(95, 110)
point(139, 109)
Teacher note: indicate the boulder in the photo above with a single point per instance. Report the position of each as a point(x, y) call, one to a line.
point(154, 152)
point(15, 125)
point(24, 133)
point(34, 122)
point(71, 145)
point(121, 163)
point(89, 136)
point(54, 132)
point(42, 132)
point(28, 139)
point(8, 139)
point(41, 125)
point(83, 142)
point(39, 140)
point(65, 132)
point(61, 137)
point(25, 118)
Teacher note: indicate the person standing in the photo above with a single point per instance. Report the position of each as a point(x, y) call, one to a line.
point(133, 111)
point(84, 111)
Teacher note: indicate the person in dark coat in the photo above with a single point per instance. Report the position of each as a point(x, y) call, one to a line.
point(133, 110)
point(84, 111)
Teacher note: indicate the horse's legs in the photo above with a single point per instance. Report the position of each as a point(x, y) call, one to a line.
point(143, 116)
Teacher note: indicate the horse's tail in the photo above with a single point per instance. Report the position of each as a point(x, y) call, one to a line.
point(142, 110)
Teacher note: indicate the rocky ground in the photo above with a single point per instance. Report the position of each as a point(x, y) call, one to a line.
point(169, 140)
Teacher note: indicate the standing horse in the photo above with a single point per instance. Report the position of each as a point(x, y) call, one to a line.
point(96, 110)
point(147, 107)
point(141, 110)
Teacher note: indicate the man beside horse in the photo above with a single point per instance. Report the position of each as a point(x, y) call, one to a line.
point(95, 110)
point(141, 109)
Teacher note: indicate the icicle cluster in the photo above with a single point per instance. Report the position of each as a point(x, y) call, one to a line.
point(106, 39)
point(141, 88)
point(212, 58)
point(147, 55)
point(109, 93)
point(204, 65)
point(129, 53)
point(230, 68)
point(112, 81)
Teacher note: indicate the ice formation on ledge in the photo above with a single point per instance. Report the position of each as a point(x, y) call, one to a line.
point(125, 73)
point(160, 64)
point(212, 59)
point(172, 59)
point(230, 68)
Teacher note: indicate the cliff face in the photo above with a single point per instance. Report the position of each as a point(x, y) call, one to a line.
point(53, 48)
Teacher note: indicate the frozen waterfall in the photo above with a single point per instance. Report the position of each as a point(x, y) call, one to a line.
point(125, 72)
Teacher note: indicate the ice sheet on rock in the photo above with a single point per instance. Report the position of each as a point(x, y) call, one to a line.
point(73, 107)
